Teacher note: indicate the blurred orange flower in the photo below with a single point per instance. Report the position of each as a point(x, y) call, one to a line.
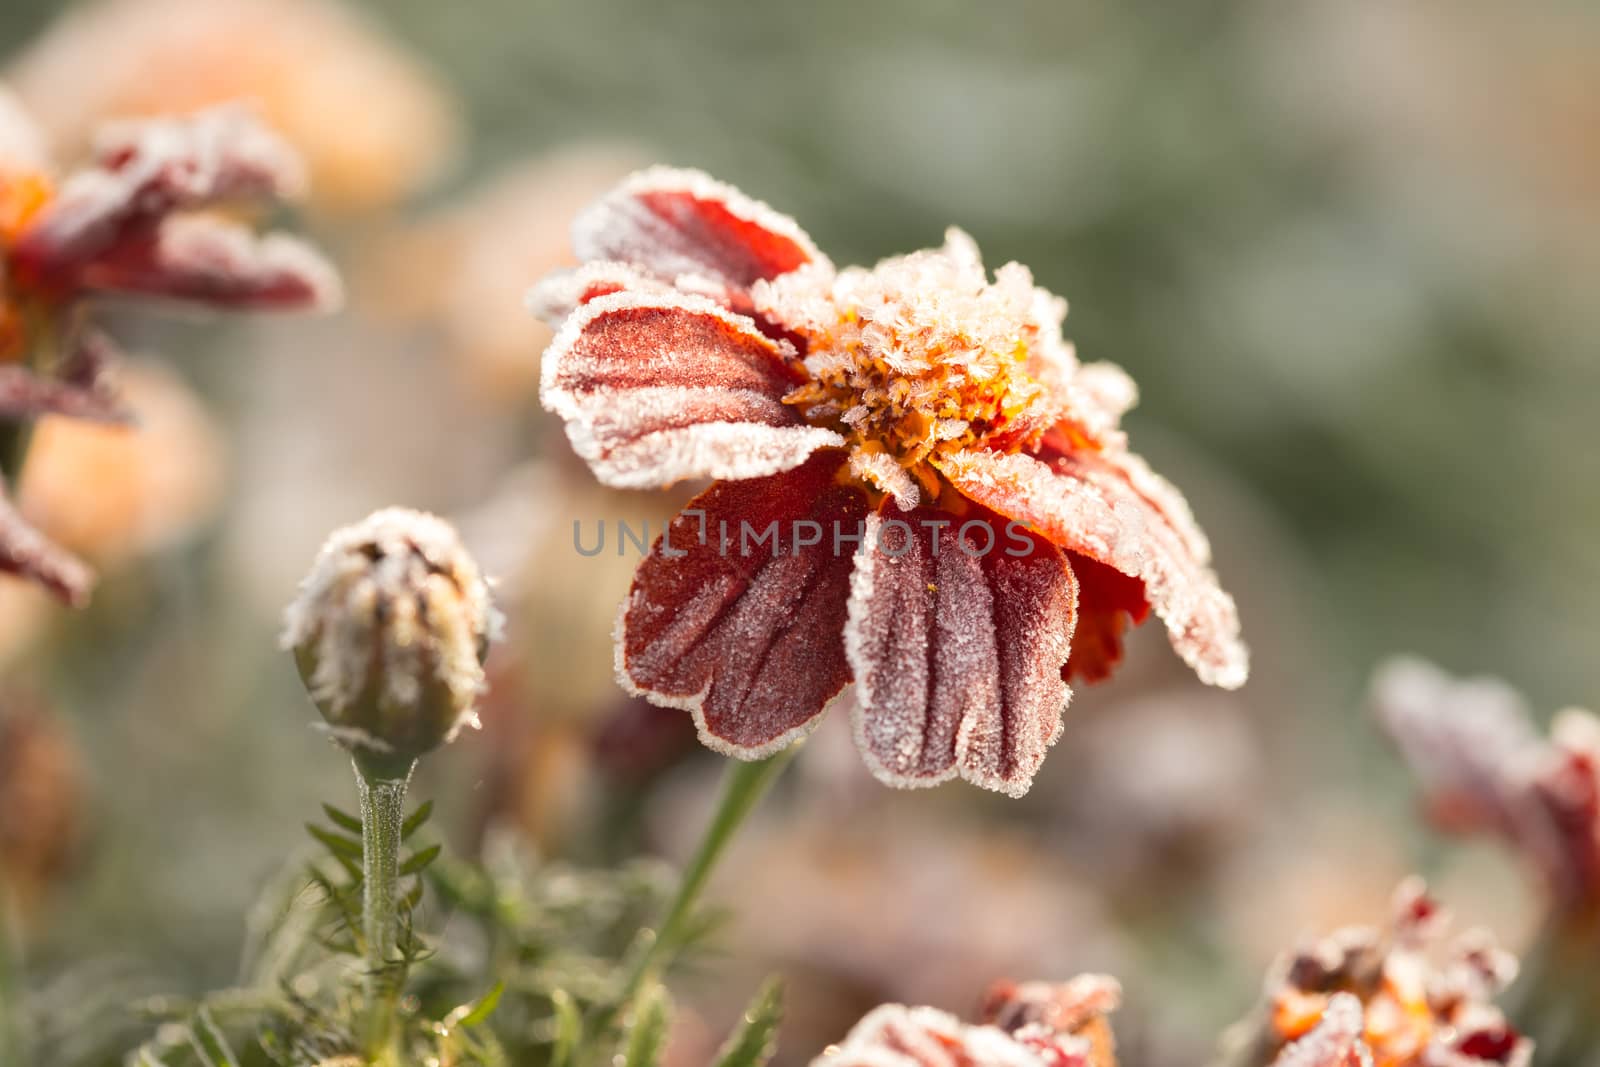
point(372, 123)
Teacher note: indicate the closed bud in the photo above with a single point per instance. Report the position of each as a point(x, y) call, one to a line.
point(389, 632)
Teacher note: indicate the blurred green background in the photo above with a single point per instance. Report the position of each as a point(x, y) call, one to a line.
point(1349, 249)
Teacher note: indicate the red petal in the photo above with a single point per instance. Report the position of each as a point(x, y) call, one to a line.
point(147, 170)
point(207, 260)
point(957, 652)
point(25, 395)
point(1108, 601)
point(656, 388)
point(27, 553)
point(675, 222)
point(1112, 508)
point(562, 292)
point(744, 634)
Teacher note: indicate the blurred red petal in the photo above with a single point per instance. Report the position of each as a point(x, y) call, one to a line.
point(25, 395)
point(147, 170)
point(216, 263)
point(656, 388)
point(957, 652)
point(27, 553)
point(1112, 508)
point(746, 635)
point(682, 222)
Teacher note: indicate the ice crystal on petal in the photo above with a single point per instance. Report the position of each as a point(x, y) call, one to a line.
point(562, 292)
point(923, 352)
point(879, 470)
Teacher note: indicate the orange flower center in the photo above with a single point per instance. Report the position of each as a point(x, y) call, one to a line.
point(23, 195)
point(922, 354)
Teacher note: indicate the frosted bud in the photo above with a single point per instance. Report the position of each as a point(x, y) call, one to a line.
point(389, 632)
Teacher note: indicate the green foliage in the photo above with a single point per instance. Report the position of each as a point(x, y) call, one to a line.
point(504, 961)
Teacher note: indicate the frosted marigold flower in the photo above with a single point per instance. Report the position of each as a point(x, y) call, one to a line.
point(1006, 534)
point(1032, 1025)
point(1405, 997)
point(372, 122)
point(389, 633)
point(1483, 769)
point(138, 221)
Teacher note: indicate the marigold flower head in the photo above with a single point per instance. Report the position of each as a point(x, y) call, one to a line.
point(1405, 997)
point(932, 418)
point(139, 221)
point(1035, 1024)
point(389, 633)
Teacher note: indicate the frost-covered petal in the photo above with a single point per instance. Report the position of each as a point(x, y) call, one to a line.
point(957, 648)
point(731, 620)
point(27, 553)
point(657, 388)
point(1111, 507)
point(25, 395)
point(562, 292)
point(1336, 1041)
point(881, 471)
point(676, 223)
point(208, 260)
point(147, 170)
point(897, 1036)
point(1469, 741)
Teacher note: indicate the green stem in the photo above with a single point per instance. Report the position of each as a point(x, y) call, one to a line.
point(383, 798)
point(743, 785)
point(10, 982)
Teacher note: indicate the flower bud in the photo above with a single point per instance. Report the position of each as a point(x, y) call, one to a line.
point(389, 632)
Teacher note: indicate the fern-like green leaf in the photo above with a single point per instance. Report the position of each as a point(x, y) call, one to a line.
point(647, 1036)
point(416, 819)
point(342, 819)
point(753, 1044)
point(417, 862)
point(569, 1028)
point(209, 1043)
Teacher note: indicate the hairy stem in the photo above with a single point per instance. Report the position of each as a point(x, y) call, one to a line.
point(382, 816)
point(743, 785)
